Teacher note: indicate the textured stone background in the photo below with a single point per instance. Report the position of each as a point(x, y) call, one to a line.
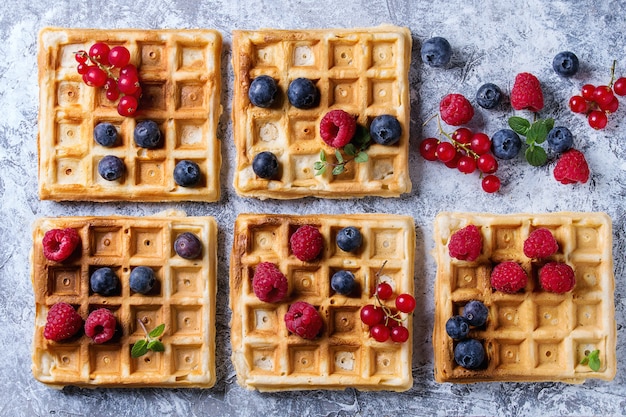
point(492, 41)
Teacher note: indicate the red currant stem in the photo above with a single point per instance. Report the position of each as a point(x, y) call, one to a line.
point(389, 315)
point(430, 118)
point(99, 65)
point(143, 327)
point(612, 73)
point(457, 145)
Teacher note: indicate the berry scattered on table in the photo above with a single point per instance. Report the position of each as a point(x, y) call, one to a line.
point(385, 130)
point(349, 239)
point(540, 243)
point(469, 353)
point(104, 281)
point(303, 94)
point(491, 184)
point(560, 139)
point(263, 91)
point(337, 128)
point(62, 322)
point(505, 144)
point(59, 244)
point(147, 134)
point(526, 93)
point(557, 277)
point(571, 168)
point(488, 96)
point(466, 244)
point(268, 283)
point(265, 165)
point(142, 279)
point(105, 134)
point(303, 320)
point(457, 327)
point(101, 325)
point(188, 246)
point(343, 282)
point(306, 243)
point(436, 52)
point(476, 313)
point(508, 277)
point(111, 168)
point(565, 64)
point(187, 173)
point(455, 110)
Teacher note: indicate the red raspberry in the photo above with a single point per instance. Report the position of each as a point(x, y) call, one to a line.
point(540, 244)
point(526, 93)
point(62, 322)
point(59, 244)
point(304, 320)
point(337, 128)
point(268, 283)
point(100, 325)
point(508, 277)
point(306, 243)
point(572, 167)
point(465, 244)
point(456, 110)
point(557, 277)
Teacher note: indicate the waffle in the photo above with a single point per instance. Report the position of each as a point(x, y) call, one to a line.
point(532, 335)
point(361, 71)
point(267, 357)
point(183, 299)
point(181, 80)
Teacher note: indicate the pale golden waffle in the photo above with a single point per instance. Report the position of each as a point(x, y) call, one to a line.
point(361, 71)
point(183, 299)
point(180, 74)
point(267, 357)
point(532, 335)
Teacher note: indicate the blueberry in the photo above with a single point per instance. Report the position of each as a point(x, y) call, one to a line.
point(105, 134)
point(343, 282)
point(476, 313)
point(188, 246)
point(303, 94)
point(505, 144)
point(187, 173)
point(469, 353)
point(349, 239)
point(265, 165)
point(436, 52)
point(385, 129)
point(565, 64)
point(111, 168)
point(488, 96)
point(104, 281)
point(147, 134)
point(457, 327)
point(263, 91)
point(560, 139)
point(142, 279)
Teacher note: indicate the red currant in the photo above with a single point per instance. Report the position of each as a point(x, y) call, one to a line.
point(128, 84)
point(491, 184)
point(481, 144)
point(578, 104)
point(399, 334)
point(487, 163)
point(587, 91)
point(81, 57)
point(466, 164)
point(380, 332)
point(597, 119)
point(454, 162)
point(372, 315)
point(119, 56)
point(127, 106)
point(129, 70)
point(82, 68)
point(619, 87)
point(384, 291)
point(611, 107)
point(445, 152)
point(95, 77)
point(112, 93)
point(603, 95)
point(428, 149)
point(405, 303)
point(462, 135)
point(99, 52)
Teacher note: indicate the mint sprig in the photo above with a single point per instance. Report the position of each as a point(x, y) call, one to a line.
point(593, 360)
point(151, 342)
point(354, 151)
point(535, 133)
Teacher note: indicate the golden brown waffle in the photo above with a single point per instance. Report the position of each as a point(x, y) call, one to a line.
point(183, 299)
point(532, 335)
point(180, 76)
point(361, 71)
point(267, 357)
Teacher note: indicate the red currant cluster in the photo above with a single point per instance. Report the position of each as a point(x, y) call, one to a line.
point(465, 151)
point(385, 323)
point(110, 68)
point(597, 102)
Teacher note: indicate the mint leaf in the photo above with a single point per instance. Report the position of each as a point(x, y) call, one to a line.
point(593, 360)
point(519, 125)
point(537, 133)
point(349, 149)
point(318, 165)
point(322, 156)
point(549, 123)
point(338, 156)
point(361, 136)
point(320, 171)
point(536, 156)
point(157, 331)
point(140, 348)
point(361, 157)
point(156, 346)
point(338, 169)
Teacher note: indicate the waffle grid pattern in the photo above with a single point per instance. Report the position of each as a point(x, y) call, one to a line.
point(361, 71)
point(267, 357)
point(183, 299)
point(532, 335)
point(181, 82)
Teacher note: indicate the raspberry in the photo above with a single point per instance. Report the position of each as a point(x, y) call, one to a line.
point(572, 167)
point(304, 320)
point(268, 283)
point(100, 325)
point(540, 244)
point(557, 277)
point(465, 244)
point(306, 243)
point(526, 93)
point(456, 110)
point(337, 128)
point(508, 277)
point(59, 244)
point(62, 322)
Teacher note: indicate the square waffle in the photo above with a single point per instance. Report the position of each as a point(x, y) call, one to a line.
point(183, 299)
point(533, 335)
point(361, 71)
point(267, 357)
point(180, 75)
